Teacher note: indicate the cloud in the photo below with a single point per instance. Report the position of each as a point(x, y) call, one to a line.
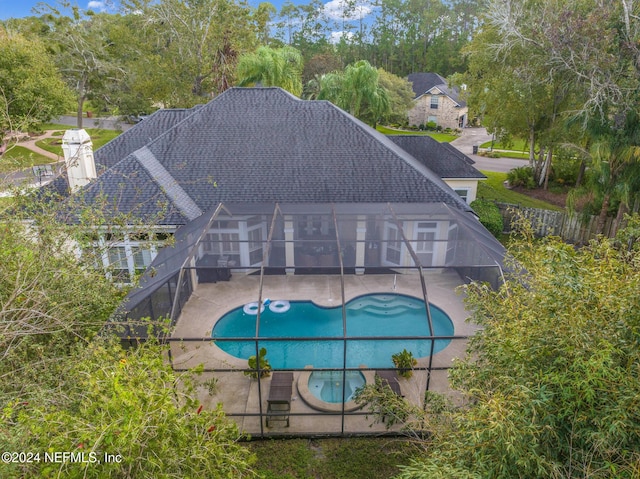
point(97, 6)
point(347, 10)
point(335, 37)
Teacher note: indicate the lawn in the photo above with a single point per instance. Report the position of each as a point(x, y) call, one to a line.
point(516, 149)
point(348, 458)
point(515, 145)
point(99, 137)
point(19, 157)
point(493, 189)
point(441, 137)
point(507, 154)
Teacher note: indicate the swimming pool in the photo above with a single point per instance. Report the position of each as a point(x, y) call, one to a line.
point(369, 316)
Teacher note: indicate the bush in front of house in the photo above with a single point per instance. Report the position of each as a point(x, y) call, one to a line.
point(489, 215)
point(522, 176)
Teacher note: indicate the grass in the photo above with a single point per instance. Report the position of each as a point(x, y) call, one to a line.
point(508, 154)
point(334, 458)
point(515, 145)
point(493, 189)
point(441, 137)
point(19, 157)
point(98, 138)
point(516, 149)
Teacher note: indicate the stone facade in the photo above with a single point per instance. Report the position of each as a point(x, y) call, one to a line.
point(447, 115)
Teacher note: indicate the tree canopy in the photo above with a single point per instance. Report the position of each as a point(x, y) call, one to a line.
point(267, 66)
point(66, 384)
point(550, 383)
point(31, 90)
point(356, 90)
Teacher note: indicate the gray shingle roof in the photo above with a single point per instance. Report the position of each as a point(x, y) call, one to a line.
point(137, 136)
point(254, 145)
point(442, 158)
point(423, 82)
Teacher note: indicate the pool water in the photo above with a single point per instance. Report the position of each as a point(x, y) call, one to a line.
point(327, 385)
point(369, 316)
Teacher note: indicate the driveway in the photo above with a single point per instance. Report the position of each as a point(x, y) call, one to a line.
point(476, 136)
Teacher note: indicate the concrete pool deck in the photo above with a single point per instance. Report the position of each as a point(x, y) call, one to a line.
point(239, 395)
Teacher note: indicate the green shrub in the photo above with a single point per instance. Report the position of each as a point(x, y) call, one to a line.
point(490, 216)
point(405, 362)
point(522, 176)
point(431, 125)
point(265, 367)
point(565, 168)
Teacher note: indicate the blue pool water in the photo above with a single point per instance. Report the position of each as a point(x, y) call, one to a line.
point(327, 385)
point(369, 316)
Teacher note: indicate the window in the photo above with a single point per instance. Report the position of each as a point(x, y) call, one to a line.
point(463, 193)
point(255, 244)
point(435, 102)
point(223, 243)
point(118, 264)
point(313, 226)
point(425, 244)
point(452, 237)
point(393, 248)
point(141, 259)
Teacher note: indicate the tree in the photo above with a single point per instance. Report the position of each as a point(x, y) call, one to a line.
point(192, 47)
point(272, 67)
point(550, 63)
point(31, 91)
point(400, 94)
point(614, 160)
point(549, 384)
point(66, 385)
point(516, 96)
point(128, 404)
point(81, 47)
point(356, 90)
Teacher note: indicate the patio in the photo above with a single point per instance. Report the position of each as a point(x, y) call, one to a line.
point(240, 395)
point(328, 255)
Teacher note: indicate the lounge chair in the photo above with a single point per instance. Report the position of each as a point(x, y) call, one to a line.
point(390, 378)
point(279, 401)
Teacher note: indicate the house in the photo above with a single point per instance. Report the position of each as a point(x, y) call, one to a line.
point(269, 196)
point(454, 167)
point(228, 165)
point(435, 102)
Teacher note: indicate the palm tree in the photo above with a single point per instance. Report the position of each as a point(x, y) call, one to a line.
point(612, 174)
point(268, 66)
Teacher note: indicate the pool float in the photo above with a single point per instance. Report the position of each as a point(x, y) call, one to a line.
point(252, 308)
point(279, 306)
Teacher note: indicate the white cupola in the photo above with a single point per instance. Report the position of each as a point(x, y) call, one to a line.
point(78, 158)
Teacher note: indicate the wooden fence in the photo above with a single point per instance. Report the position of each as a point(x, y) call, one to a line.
point(570, 227)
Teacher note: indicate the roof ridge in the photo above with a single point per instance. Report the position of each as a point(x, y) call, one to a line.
point(167, 183)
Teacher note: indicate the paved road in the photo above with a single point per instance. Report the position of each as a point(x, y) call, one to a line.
point(476, 136)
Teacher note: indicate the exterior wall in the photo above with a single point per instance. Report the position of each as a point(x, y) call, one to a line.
point(447, 114)
point(470, 185)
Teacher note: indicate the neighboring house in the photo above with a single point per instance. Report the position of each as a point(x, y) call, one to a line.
point(257, 147)
point(435, 102)
point(453, 166)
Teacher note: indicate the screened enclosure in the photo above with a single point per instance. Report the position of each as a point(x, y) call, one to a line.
point(331, 292)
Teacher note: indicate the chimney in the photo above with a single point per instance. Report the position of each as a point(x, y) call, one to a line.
point(78, 158)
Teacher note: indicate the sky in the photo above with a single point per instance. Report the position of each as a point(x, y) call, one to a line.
point(22, 8)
